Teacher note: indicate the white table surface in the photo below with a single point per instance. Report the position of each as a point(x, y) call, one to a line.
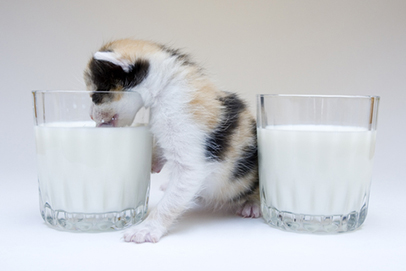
point(201, 240)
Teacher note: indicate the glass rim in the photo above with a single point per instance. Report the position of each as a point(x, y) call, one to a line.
point(319, 96)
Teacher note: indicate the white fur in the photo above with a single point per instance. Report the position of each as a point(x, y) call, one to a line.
point(167, 93)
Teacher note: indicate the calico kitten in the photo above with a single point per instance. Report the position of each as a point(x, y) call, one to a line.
point(206, 136)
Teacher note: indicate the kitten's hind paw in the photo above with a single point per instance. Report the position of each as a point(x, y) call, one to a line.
point(249, 210)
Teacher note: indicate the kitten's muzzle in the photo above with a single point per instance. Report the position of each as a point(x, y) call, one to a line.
point(112, 122)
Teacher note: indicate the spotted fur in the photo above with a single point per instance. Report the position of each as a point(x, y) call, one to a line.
point(206, 136)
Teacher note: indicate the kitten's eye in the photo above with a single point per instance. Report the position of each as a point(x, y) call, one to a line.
point(97, 98)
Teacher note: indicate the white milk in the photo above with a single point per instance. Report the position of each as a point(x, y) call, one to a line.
point(315, 170)
point(93, 170)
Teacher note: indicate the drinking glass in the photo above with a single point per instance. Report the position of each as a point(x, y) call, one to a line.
point(315, 160)
point(93, 174)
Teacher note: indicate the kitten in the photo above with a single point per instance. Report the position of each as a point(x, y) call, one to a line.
point(206, 136)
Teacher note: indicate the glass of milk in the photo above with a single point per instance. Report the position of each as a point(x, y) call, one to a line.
point(94, 161)
point(315, 160)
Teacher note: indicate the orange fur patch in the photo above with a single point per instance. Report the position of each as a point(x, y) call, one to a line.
point(127, 48)
point(205, 107)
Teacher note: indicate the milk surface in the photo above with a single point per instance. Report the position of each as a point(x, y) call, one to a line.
point(93, 170)
point(315, 169)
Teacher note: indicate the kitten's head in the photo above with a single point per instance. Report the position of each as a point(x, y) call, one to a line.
point(113, 73)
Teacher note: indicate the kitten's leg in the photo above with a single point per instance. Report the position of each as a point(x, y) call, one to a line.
point(182, 190)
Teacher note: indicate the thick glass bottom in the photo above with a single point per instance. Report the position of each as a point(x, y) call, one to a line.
point(92, 222)
point(314, 223)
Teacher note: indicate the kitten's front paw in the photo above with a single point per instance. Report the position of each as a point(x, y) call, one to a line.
point(144, 232)
point(249, 209)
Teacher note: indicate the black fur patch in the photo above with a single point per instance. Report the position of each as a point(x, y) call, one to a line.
point(247, 163)
point(106, 76)
point(184, 58)
point(218, 142)
point(249, 159)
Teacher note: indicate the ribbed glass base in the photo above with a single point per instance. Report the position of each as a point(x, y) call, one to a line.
point(92, 222)
point(314, 223)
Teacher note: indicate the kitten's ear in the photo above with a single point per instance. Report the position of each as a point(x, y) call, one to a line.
point(113, 58)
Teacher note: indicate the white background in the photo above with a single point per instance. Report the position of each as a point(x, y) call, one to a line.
point(249, 47)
